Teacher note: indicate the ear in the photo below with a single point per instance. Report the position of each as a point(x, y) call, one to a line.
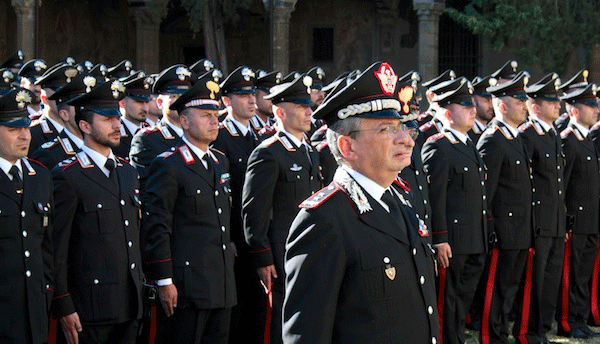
point(122, 103)
point(346, 147)
point(278, 111)
point(502, 107)
point(64, 115)
point(159, 102)
point(447, 114)
point(44, 98)
point(85, 127)
point(184, 121)
point(226, 101)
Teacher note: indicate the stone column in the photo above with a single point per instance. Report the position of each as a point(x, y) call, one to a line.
point(280, 14)
point(147, 19)
point(429, 12)
point(26, 35)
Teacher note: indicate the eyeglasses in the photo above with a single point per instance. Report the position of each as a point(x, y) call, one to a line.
point(392, 131)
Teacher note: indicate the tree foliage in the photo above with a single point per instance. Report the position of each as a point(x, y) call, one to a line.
point(544, 33)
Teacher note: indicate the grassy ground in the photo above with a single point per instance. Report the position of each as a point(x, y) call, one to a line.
point(473, 337)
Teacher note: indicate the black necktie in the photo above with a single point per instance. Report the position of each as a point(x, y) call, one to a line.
point(112, 175)
point(210, 165)
point(303, 149)
point(557, 142)
point(391, 201)
point(250, 138)
point(471, 145)
point(17, 182)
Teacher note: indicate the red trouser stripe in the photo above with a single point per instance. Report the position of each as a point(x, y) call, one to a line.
point(441, 297)
point(564, 317)
point(526, 297)
point(52, 329)
point(153, 325)
point(489, 291)
point(267, 339)
point(595, 281)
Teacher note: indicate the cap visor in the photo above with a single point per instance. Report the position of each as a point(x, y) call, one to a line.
point(520, 96)
point(140, 98)
point(20, 122)
point(107, 112)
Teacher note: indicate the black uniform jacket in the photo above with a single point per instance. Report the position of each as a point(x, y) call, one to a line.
point(458, 199)
point(237, 149)
point(548, 166)
point(416, 177)
point(98, 262)
point(188, 228)
point(146, 145)
point(476, 131)
point(26, 256)
point(42, 131)
point(354, 277)
point(429, 129)
point(582, 181)
point(509, 189)
point(55, 151)
point(125, 146)
point(278, 179)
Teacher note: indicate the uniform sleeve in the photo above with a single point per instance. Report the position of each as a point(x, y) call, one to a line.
point(438, 170)
point(314, 265)
point(492, 155)
point(257, 203)
point(161, 197)
point(66, 201)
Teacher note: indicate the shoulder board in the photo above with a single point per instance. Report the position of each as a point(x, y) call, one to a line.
point(84, 160)
point(165, 154)
point(269, 141)
point(286, 143)
point(49, 144)
point(123, 132)
point(402, 183)
point(565, 133)
point(435, 137)
point(450, 136)
point(121, 161)
point(67, 163)
point(30, 170)
point(426, 126)
point(506, 132)
point(186, 155)
point(525, 126)
point(423, 115)
point(45, 126)
point(578, 134)
point(256, 125)
point(228, 124)
point(165, 132)
point(149, 130)
point(66, 145)
point(491, 129)
point(267, 130)
point(319, 197)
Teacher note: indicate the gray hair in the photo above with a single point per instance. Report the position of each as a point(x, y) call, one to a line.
point(347, 127)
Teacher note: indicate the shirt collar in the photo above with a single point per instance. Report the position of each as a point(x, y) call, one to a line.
point(479, 124)
point(294, 139)
point(243, 130)
point(59, 127)
point(176, 129)
point(99, 159)
point(371, 187)
point(199, 152)
point(262, 123)
point(5, 165)
point(76, 140)
point(584, 131)
point(150, 122)
point(462, 137)
point(130, 125)
point(547, 127)
point(512, 130)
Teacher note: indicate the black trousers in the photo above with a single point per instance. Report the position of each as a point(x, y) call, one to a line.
point(575, 308)
point(503, 279)
point(461, 279)
point(194, 326)
point(122, 333)
point(536, 320)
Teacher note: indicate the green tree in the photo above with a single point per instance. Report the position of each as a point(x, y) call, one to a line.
point(210, 16)
point(542, 33)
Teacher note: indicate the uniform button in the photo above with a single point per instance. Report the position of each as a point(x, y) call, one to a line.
point(424, 201)
point(580, 208)
point(187, 263)
point(518, 162)
point(311, 177)
point(219, 211)
point(224, 247)
point(386, 260)
point(426, 216)
point(533, 189)
point(23, 213)
point(216, 192)
point(414, 251)
point(122, 202)
point(484, 197)
point(559, 180)
point(484, 212)
point(509, 214)
point(126, 223)
point(480, 169)
point(240, 160)
point(422, 280)
point(589, 158)
point(297, 177)
point(130, 244)
point(466, 168)
point(538, 202)
point(420, 187)
point(430, 310)
point(99, 206)
point(27, 254)
point(132, 266)
point(559, 192)
point(222, 228)
point(198, 192)
point(558, 167)
point(96, 281)
point(547, 155)
point(455, 220)
point(24, 234)
point(416, 173)
point(45, 208)
point(483, 183)
point(433, 340)
point(28, 273)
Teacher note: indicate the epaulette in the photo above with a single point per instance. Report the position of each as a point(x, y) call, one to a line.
point(165, 132)
point(506, 132)
point(435, 137)
point(525, 126)
point(30, 170)
point(84, 160)
point(578, 134)
point(450, 136)
point(255, 123)
point(267, 130)
point(491, 129)
point(319, 197)
point(426, 126)
point(402, 184)
point(148, 130)
point(50, 144)
point(66, 145)
point(187, 156)
point(67, 163)
point(45, 126)
point(538, 127)
point(230, 127)
point(121, 160)
point(165, 154)
point(565, 133)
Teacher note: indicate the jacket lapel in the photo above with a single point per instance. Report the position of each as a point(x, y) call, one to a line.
point(195, 164)
point(7, 188)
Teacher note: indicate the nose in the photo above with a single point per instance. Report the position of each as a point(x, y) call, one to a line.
point(404, 138)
